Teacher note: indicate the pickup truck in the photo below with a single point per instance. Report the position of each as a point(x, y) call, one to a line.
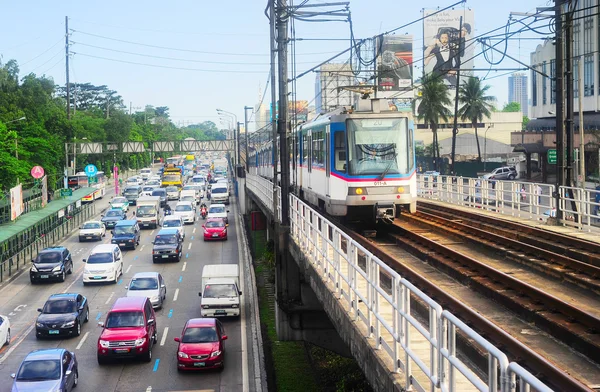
point(220, 290)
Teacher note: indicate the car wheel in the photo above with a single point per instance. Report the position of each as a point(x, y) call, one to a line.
point(75, 379)
point(102, 360)
point(148, 356)
point(511, 177)
point(87, 315)
point(80, 239)
point(63, 276)
point(155, 338)
point(70, 272)
point(7, 337)
point(78, 330)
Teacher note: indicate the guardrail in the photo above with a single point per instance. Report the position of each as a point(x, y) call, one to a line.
point(345, 266)
point(12, 265)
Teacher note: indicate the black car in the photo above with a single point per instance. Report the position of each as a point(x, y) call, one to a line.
point(112, 216)
point(62, 315)
point(162, 192)
point(51, 264)
point(167, 246)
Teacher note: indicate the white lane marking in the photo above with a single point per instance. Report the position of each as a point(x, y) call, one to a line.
point(164, 337)
point(142, 248)
point(245, 380)
point(109, 298)
point(184, 265)
point(190, 246)
point(149, 389)
point(82, 341)
point(128, 268)
point(152, 232)
point(15, 345)
point(194, 231)
point(17, 309)
point(176, 295)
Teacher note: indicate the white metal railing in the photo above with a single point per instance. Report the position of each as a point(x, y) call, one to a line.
point(379, 299)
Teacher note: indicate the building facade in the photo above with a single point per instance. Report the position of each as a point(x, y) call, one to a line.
point(517, 91)
point(328, 94)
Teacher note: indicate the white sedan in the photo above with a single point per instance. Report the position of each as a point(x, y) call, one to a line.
point(92, 230)
point(4, 331)
point(185, 209)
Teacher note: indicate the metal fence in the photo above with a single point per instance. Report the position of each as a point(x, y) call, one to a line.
point(380, 299)
point(10, 265)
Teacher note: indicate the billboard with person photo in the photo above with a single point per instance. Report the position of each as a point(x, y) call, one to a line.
point(448, 45)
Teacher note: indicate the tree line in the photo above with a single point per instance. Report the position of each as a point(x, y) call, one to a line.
point(34, 127)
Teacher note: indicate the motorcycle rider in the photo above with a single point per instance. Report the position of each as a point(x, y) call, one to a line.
point(203, 210)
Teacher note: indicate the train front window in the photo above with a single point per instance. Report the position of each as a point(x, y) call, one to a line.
point(378, 146)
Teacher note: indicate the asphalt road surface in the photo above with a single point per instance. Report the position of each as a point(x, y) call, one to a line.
point(19, 300)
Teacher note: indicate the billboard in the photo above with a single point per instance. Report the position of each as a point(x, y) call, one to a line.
point(16, 202)
point(394, 63)
point(446, 45)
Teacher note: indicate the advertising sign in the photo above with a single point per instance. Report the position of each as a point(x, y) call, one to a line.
point(394, 63)
point(91, 170)
point(16, 202)
point(44, 191)
point(446, 45)
point(37, 172)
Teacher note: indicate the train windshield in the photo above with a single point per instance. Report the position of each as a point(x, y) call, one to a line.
point(379, 146)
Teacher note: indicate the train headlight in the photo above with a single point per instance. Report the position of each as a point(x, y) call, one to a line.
point(400, 189)
point(356, 191)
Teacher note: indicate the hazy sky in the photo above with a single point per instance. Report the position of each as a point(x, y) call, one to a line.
point(221, 48)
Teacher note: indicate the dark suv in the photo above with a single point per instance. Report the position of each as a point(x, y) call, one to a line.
point(162, 193)
point(167, 246)
point(51, 264)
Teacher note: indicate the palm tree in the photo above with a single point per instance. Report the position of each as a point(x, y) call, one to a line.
point(475, 105)
point(434, 103)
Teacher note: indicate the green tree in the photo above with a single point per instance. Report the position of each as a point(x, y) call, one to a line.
point(525, 122)
point(475, 105)
point(433, 107)
point(512, 107)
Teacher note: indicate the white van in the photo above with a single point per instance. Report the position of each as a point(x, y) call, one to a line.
point(104, 264)
point(145, 173)
point(219, 193)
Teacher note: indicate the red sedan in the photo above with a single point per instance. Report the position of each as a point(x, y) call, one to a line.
point(201, 345)
point(215, 229)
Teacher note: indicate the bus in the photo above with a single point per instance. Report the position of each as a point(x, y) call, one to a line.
point(81, 180)
point(172, 175)
point(175, 160)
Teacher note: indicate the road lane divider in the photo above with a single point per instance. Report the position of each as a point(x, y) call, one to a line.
point(164, 336)
point(176, 295)
point(187, 255)
point(152, 232)
point(135, 258)
point(184, 265)
point(128, 268)
point(109, 298)
point(192, 237)
point(142, 248)
point(82, 341)
point(120, 281)
point(156, 364)
point(194, 231)
point(98, 316)
point(14, 346)
point(170, 313)
point(189, 246)
point(180, 279)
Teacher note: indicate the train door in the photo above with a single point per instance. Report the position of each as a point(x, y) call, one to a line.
point(327, 161)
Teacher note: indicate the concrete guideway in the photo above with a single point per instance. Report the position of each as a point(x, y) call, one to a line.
point(244, 365)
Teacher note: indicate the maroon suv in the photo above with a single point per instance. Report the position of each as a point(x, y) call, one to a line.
point(129, 330)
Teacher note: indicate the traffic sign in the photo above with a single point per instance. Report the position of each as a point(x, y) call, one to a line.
point(552, 156)
point(37, 172)
point(66, 192)
point(91, 170)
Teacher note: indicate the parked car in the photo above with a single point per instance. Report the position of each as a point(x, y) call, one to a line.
point(92, 230)
point(51, 264)
point(502, 173)
point(112, 216)
point(120, 202)
point(215, 229)
point(201, 345)
point(218, 210)
point(185, 209)
point(174, 222)
point(104, 264)
point(167, 245)
point(53, 369)
point(150, 285)
point(129, 330)
point(62, 315)
point(4, 330)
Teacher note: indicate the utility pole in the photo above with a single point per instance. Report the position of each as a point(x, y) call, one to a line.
point(237, 138)
point(581, 130)
point(272, 24)
point(455, 126)
point(282, 40)
point(560, 110)
point(67, 67)
point(246, 132)
point(569, 95)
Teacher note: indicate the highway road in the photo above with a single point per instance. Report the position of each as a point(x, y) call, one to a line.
point(20, 300)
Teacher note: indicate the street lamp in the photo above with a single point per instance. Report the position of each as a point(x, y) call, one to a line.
point(235, 121)
point(16, 136)
point(485, 145)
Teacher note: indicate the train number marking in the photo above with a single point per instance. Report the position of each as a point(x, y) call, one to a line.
point(376, 183)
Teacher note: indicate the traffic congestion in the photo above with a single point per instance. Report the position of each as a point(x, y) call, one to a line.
point(139, 296)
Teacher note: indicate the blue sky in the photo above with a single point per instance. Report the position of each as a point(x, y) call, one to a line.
point(212, 36)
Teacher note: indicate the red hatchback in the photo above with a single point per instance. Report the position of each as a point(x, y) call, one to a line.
point(215, 229)
point(201, 345)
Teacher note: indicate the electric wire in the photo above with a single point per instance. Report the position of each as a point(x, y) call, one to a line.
point(43, 53)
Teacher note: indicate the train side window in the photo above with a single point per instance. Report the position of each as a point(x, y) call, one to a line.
point(340, 151)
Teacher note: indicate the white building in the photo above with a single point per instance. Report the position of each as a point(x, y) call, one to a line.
point(328, 95)
point(517, 90)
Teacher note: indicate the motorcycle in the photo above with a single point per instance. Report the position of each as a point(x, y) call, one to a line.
point(203, 212)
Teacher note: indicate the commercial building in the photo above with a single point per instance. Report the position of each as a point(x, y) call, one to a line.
point(517, 91)
point(328, 92)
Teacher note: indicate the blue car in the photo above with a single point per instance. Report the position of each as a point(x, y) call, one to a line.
point(126, 234)
point(47, 370)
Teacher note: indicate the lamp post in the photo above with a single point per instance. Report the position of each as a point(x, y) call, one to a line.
point(246, 132)
point(235, 121)
point(16, 137)
point(485, 145)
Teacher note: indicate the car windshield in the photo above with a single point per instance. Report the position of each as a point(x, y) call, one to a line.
point(132, 179)
point(100, 258)
point(118, 200)
point(146, 211)
point(125, 320)
point(40, 370)
point(60, 306)
point(48, 257)
point(124, 230)
point(216, 210)
point(218, 223)
point(159, 192)
point(187, 198)
point(200, 335)
point(130, 191)
point(165, 239)
point(172, 223)
point(219, 291)
point(172, 178)
point(143, 284)
point(148, 188)
point(172, 189)
point(183, 207)
point(219, 190)
point(113, 213)
point(92, 225)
